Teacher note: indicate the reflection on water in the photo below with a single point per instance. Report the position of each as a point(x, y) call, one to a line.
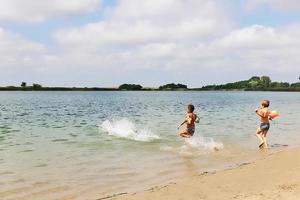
point(52, 148)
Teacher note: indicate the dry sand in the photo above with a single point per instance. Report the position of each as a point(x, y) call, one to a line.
point(276, 176)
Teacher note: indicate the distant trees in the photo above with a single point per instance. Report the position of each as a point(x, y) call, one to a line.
point(265, 81)
point(23, 85)
point(130, 87)
point(279, 85)
point(254, 83)
point(254, 78)
point(295, 85)
point(36, 86)
point(173, 86)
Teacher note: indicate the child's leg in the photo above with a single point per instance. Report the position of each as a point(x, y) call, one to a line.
point(259, 136)
point(185, 134)
point(264, 136)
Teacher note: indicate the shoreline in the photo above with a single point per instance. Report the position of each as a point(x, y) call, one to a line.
point(275, 176)
point(142, 90)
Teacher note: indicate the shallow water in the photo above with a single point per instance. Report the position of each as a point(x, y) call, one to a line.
point(51, 148)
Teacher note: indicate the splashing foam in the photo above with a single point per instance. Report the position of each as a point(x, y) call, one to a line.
point(127, 129)
point(204, 143)
point(195, 146)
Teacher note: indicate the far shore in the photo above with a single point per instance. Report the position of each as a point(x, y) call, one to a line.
point(274, 177)
point(79, 89)
point(255, 83)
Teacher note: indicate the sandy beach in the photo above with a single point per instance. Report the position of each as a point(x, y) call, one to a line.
point(275, 176)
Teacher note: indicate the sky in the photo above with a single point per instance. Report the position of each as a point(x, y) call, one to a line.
point(105, 43)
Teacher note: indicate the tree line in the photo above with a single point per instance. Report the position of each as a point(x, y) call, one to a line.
point(256, 83)
point(129, 87)
point(170, 86)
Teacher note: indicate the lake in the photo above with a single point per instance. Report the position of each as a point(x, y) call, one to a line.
point(85, 145)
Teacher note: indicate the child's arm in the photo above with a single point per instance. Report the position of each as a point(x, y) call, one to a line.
point(183, 122)
point(261, 113)
point(257, 111)
point(197, 120)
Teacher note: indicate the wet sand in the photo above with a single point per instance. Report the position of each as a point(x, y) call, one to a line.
point(275, 176)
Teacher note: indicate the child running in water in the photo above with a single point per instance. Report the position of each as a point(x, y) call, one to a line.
point(261, 133)
point(190, 120)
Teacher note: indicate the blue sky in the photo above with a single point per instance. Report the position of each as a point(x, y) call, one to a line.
point(42, 31)
point(151, 42)
point(265, 15)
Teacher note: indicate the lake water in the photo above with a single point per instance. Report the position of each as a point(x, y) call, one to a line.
point(51, 148)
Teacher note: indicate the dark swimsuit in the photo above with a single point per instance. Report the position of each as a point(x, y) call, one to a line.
point(190, 131)
point(264, 126)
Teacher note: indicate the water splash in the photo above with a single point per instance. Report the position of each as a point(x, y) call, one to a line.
point(126, 129)
point(204, 143)
point(195, 146)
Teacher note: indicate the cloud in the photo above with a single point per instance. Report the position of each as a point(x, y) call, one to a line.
point(263, 48)
point(16, 50)
point(135, 22)
point(150, 34)
point(40, 11)
point(153, 42)
point(137, 36)
point(245, 51)
point(261, 37)
point(18, 56)
point(146, 34)
point(277, 5)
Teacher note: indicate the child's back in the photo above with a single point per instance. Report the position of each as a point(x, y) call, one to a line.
point(191, 118)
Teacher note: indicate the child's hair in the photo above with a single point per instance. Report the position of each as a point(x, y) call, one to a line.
point(265, 103)
point(191, 108)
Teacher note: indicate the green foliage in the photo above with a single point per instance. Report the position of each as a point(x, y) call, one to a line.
point(23, 84)
point(295, 85)
point(265, 81)
point(36, 86)
point(130, 87)
point(255, 83)
point(279, 85)
point(173, 86)
point(254, 78)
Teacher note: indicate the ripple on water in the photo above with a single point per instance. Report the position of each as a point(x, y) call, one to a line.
point(26, 151)
point(41, 165)
point(60, 140)
point(57, 127)
point(28, 143)
point(73, 135)
point(6, 173)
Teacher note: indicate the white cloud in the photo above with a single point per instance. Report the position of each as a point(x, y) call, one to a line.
point(15, 50)
point(278, 5)
point(39, 11)
point(176, 35)
point(265, 48)
point(141, 35)
point(19, 57)
point(168, 37)
point(261, 37)
point(135, 22)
